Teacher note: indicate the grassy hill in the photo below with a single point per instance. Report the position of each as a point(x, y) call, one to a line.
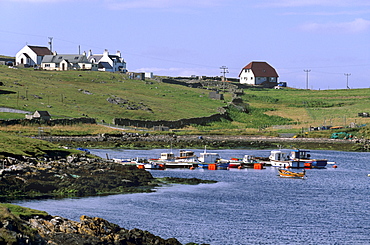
point(80, 93)
point(105, 96)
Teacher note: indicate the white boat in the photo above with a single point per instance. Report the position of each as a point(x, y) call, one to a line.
point(281, 159)
point(206, 158)
point(186, 159)
point(144, 163)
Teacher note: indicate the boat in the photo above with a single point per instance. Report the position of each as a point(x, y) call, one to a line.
point(305, 157)
point(206, 158)
point(186, 159)
point(144, 163)
point(284, 173)
point(249, 161)
point(281, 159)
point(236, 163)
point(212, 161)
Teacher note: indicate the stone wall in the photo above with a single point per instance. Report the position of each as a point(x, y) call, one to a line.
point(51, 122)
point(171, 124)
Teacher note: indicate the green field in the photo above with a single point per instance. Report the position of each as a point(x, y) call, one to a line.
point(70, 94)
point(84, 93)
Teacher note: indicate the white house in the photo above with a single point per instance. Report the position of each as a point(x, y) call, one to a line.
point(257, 73)
point(64, 62)
point(107, 62)
point(31, 55)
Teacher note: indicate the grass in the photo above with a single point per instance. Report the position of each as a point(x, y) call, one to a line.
point(23, 212)
point(16, 145)
point(75, 130)
point(313, 107)
point(81, 93)
point(86, 93)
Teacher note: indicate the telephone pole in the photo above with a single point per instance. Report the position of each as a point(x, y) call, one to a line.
point(224, 71)
point(347, 74)
point(307, 71)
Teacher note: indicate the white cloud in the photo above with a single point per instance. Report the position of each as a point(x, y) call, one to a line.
point(356, 26)
point(162, 4)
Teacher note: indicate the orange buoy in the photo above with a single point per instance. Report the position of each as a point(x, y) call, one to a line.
point(192, 168)
point(335, 166)
point(240, 167)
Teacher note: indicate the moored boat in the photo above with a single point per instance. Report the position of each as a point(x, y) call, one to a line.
point(186, 159)
point(305, 157)
point(291, 174)
point(279, 158)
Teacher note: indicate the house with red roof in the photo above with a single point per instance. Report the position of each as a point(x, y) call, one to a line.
point(259, 73)
point(31, 55)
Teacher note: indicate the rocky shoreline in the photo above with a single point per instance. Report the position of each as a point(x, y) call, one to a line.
point(44, 229)
point(75, 176)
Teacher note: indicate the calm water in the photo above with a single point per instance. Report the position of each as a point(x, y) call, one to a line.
point(245, 207)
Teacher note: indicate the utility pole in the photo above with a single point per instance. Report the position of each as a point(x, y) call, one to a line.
point(224, 71)
point(307, 71)
point(347, 74)
point(50, 44)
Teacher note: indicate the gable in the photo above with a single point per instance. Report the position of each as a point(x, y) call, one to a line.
point(260, 69)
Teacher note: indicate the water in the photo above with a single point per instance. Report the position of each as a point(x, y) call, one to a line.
point(245, 207)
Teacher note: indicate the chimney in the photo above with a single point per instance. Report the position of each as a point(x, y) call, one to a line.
point(106, 53)
point(55, 53)
point(118, 53)
point(90, 53)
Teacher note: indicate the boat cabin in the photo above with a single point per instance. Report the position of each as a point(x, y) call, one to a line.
point(187, 156)
point(167, 156)
point(278, 155)
point(300, 154)
point(207, 157)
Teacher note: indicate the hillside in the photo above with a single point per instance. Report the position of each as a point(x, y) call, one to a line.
point(105, 96)
point(100, 95)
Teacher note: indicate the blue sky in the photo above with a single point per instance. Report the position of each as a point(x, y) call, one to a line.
point(197, 37)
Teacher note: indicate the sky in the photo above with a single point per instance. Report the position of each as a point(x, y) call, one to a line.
point(312, 43)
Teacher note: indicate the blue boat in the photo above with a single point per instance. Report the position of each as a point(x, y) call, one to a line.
point(305, 157)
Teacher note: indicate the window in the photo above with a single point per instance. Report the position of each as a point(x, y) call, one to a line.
point(60, 57)
point(76, 58)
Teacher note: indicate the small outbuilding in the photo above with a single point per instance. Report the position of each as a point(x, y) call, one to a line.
point(39, 115)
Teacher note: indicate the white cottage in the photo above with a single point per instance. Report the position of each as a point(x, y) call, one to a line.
point(257, 73)
point(31, 55)
point(64, 62)
point(107, 62)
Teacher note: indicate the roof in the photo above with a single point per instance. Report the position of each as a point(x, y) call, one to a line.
point(71, 58)
point(105, 65)
point(97, 57)
point(43, 113)
point(261, 69)
point(40, 51)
